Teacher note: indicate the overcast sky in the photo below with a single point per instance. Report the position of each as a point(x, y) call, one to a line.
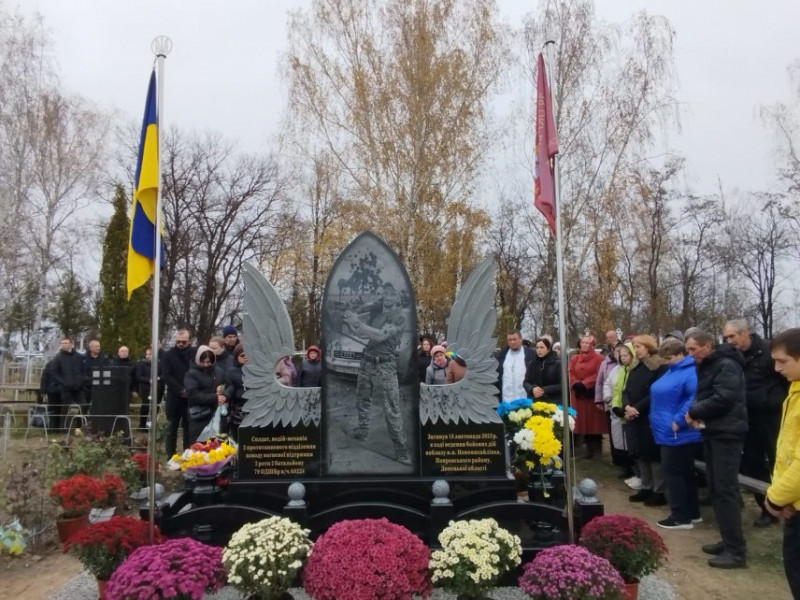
point(223, 71)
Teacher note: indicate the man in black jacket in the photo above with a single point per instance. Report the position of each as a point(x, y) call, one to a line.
point(766, 390)
point(68, 374)
point(720, 411)
point(93, 359)
point(512, 364)
point(174, 365)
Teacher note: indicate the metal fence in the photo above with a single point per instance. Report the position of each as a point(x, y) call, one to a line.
point(19, 379)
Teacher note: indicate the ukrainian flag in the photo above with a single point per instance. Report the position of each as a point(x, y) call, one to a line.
point(142, 242)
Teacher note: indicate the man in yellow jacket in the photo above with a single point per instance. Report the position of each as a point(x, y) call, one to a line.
point(783, 496)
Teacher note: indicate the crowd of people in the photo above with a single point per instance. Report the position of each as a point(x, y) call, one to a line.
point(194, 380)
point(666, 405)
point(201, 379)
point(436, 365)
point(67, 378)
point(662, 405)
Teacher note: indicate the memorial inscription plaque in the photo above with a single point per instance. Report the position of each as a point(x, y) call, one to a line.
point(279, 452)
point(456, 450)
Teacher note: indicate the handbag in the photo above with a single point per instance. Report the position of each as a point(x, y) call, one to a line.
point(200, 413)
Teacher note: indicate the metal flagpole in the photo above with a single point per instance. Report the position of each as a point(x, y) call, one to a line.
point(562, 318)
point(161, 46)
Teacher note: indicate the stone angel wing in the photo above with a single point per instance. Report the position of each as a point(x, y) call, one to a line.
point(268, 337)
point(469, 334)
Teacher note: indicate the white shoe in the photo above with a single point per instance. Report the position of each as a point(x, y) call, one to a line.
point(635, 483)
point(697, 520)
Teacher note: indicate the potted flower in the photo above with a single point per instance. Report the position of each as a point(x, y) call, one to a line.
point(474, 555)
point(368, 559)
point(180, 569)
point(103, 546)
point(262, 559)
point(113, 496)
point(535, 431)
point(75, 495)
point(568, 572)
point(538, 446)
point(633, 547)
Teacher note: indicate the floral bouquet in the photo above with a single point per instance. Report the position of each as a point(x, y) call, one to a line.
point(262, 559)
point(203, 458)
point(76, 495)
point(180, 569)
point(367, 559)
point(633, 547)
point(569, 572)
point(474, 555)
point(538, 444)
point(514, 413)
point(103, 547)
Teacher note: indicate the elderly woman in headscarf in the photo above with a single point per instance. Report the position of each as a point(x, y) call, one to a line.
point(590, 423)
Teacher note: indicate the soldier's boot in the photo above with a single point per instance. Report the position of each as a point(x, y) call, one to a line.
point(360, 433)
point(403, 457)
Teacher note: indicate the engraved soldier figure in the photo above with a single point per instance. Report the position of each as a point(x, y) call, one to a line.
point(381, 323)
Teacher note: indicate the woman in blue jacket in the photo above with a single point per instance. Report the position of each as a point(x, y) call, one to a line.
point(670, 399)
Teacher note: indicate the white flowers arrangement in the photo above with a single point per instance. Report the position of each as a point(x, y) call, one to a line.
point(263, 558)
point(558, 419)
point(474, 555)
point(524, 439)
point(520, 416)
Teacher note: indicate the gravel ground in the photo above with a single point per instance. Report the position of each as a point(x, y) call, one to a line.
point(83, 587)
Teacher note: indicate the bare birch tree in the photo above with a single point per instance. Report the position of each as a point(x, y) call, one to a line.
point(396, 92)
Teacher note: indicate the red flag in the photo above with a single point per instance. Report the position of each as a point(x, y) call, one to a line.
point(544, 195)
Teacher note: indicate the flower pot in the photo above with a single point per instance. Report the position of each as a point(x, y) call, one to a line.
point(206, 492)
point(69, 527)
point(541, 492)
point(96, 515)
point(101, 588)
point(631, 590)
point(543, 532)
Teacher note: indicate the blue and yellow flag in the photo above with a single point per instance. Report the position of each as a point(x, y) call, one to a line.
point(142, 242)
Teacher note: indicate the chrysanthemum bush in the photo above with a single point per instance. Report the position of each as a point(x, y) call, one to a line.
point(102, 547)
point(367, 559)
point(180, 569)
point(113, 491)
point(263, 558)
point(570, 573)
point(633, 547)
point(474, 555)
point(77, 495)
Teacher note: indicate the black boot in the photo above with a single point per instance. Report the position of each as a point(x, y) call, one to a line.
point(765, 520)
point(716, 548)
point(726, 560)
point(641, 495)
point(656, 500)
